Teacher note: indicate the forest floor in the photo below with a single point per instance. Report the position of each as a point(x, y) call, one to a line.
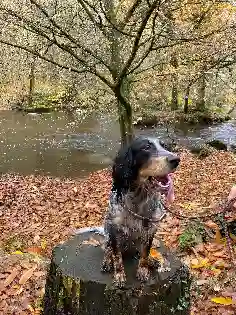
point(38, 212)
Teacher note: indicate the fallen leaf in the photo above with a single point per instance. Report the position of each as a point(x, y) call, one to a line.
point(19, 291)
point(218, 236)
point(200, 263)
point(31, 309)
point(35, 250)
point(11, 277)
point(18, 252)
point(219, 254)
point(44, 244)
point(233, 237)
point(222, 300)
point(27, 275)
point(36, 239)
point(202, 282)
point(92, 242)
point(155, 254)
point(210, 224)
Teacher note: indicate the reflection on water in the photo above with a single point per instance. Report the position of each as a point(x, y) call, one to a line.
point(58, 144)
point(65, 144)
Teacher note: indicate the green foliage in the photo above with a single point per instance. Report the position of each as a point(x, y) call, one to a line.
point(13, 243)
point(180, 100)
point(45, 100)
point(193, 234)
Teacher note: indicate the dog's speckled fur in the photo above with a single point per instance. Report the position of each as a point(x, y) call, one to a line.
point(132, 193)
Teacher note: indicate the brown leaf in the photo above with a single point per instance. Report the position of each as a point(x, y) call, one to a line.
point(11, 277)
point(27, 275)
point(35, 250)
point(92, 242)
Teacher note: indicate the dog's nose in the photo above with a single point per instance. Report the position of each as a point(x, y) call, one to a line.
point(174, 161)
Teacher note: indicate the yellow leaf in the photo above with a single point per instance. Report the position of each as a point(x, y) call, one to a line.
point(17, 252)
point(201, 263)
point(222, 300)
point(186, 206)
point(43, 244)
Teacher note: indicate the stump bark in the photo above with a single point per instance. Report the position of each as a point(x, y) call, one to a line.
point(76, 286)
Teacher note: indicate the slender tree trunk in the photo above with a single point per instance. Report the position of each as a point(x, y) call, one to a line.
point(186, 100)
point(201, 102)
point(124, 111)
point(31, 82)
point(174, 93)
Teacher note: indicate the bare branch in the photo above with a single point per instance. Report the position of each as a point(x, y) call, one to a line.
point(115, 27)
point(41, 56)
point(148, 51)
point(137, 40)
point(99, 24)
point(67, 35)
point(63, 47)
point(131, 12)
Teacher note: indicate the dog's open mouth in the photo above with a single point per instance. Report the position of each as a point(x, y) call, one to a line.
point(163, 181)
point(163, 184)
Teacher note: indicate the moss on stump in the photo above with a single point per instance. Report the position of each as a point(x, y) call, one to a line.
point(76, 286)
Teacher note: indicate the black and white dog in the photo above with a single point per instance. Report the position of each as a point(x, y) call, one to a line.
point(141, 176)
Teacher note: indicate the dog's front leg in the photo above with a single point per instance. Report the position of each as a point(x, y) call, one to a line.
point(107, 263)
point(113, 246)
point(143, 272)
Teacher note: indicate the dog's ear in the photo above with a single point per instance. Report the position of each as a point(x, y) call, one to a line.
point(123, 169)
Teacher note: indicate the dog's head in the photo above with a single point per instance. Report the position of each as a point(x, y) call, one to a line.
point(144, 159)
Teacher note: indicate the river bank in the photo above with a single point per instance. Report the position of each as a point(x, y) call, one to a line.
point(71, 145)
point(35, 208)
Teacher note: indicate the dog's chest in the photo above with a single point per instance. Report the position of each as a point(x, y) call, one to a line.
point(139, 220)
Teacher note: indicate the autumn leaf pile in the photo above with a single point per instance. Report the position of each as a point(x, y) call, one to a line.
point(38, 212)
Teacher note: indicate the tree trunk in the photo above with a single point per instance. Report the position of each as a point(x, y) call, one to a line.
point(186, 100)
point(201, 103)
point(31, 82)
point(174, 93)
point(76, 286)
point(124, 111)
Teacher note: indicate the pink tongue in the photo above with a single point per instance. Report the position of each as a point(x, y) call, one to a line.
point(170, 197)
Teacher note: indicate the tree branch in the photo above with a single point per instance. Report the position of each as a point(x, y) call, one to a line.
point(115, 27)
point(41, 56)
point(137, 39)
point(148, 51)
point(99, 24)
point(67, 35)
point(63, 47)
point(130, 12)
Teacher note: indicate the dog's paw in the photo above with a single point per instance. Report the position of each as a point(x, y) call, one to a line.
point(107, 266)
point(119, 279)
point(143, 274)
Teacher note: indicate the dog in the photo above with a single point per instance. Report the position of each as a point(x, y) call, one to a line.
point(141, 176)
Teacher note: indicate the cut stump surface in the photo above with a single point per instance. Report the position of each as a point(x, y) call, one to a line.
point(76, 286)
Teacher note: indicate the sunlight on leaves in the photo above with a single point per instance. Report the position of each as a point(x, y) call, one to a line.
point(222, 300)
point(200, 263)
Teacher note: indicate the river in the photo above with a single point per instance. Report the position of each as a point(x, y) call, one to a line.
point(66, 144)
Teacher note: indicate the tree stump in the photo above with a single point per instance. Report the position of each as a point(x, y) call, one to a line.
point(76, 286)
